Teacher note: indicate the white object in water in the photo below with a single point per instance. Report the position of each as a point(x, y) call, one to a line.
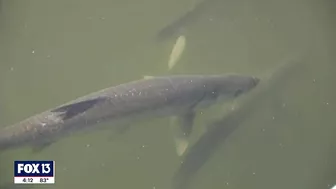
point(181, 141)
point(177, 51)
point(334, 187)
point(181, 146)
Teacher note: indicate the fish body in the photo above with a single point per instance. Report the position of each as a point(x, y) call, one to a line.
point(136, 100)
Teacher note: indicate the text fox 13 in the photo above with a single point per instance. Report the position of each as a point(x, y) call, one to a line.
point(34, 172)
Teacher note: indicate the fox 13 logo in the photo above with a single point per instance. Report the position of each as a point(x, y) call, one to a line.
point(34, 172)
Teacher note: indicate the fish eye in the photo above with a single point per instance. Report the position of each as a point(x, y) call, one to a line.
point(238, 92)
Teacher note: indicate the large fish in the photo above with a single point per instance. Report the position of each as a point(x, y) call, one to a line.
point(219, 130)
point(178, 95)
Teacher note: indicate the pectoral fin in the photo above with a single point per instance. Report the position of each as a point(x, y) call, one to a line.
point(181, 128)
point(181, 145)
point(187, 122)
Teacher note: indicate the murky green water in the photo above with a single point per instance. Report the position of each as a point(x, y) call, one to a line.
point(54, 51)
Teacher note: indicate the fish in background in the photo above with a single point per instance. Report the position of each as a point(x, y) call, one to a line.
point(218, 131)
point(177, 30)
point(177, 27)
point(122, 105)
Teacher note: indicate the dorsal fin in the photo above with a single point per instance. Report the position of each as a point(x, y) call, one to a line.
point(71, 110)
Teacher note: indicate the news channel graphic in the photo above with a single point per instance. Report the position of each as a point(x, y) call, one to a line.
point(34, 172)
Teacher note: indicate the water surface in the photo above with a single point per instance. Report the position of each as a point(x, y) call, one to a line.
point(54, 51)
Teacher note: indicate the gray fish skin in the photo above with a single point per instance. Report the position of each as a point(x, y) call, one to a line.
point(141, 99)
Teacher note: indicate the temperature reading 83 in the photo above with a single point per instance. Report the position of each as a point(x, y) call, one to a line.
point(43, 180)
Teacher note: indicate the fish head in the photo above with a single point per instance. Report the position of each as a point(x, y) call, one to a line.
point(228, 86)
